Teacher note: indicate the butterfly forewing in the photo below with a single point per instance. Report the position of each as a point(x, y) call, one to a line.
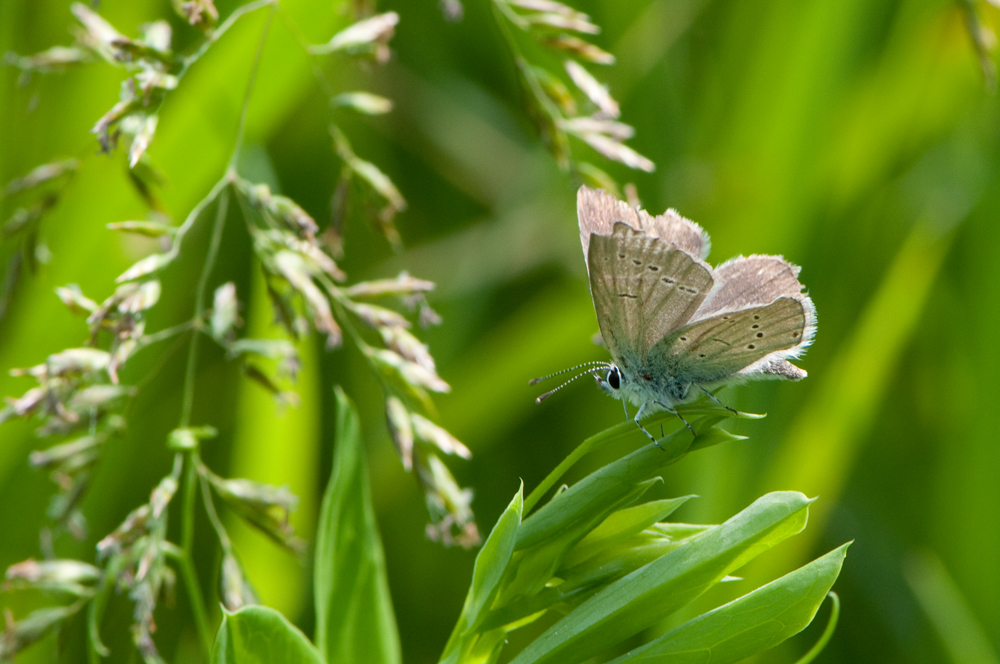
point(716, 348)
point(643, 288)
point(599, 211)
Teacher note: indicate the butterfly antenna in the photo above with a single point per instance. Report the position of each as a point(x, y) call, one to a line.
point(535, 381)
point(588, 372)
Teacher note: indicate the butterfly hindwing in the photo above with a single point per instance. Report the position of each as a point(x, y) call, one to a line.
point(716, 348)
point(750, 281)
point(643, 288)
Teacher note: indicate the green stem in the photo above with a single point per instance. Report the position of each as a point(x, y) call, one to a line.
point(249, 91)
point(194, 593)
point(221, 30)
point(831, 626)
point(502, 14)
point(317, 71)
point(164, 334)
point(191, 457)
point(199, 306)
point(190, 478)
point(95, 647)
point(700, 408)
point(618, 432)
point(195, 213)
point(213, 516)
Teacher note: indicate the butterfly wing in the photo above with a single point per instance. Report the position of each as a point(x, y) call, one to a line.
point(643, 288)
point(598, 212)
point(750, 281)
point(718, 348)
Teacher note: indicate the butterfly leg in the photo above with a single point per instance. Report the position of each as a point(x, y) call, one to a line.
point(716, 400)
point(679, 416)
point(635, 419)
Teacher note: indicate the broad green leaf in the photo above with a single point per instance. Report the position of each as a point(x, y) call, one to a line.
point(354, 617)
point(261, 635)
point(656, 590)
point(615, 480)
point(751, 624)
point(491, 563)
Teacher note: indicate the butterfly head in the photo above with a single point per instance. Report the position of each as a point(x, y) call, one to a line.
point(611, 381)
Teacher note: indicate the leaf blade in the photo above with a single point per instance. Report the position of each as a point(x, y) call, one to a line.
point(258, 635)
point(638, 600)
point(354, 616)
point(749, 624)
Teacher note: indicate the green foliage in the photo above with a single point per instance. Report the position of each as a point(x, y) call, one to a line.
point(858, 138)
point(612, 570)
point(257, 634)
point(354, 617)
point(750, 624)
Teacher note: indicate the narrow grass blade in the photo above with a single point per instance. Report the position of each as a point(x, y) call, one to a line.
point(491, 563)
point(354, 616)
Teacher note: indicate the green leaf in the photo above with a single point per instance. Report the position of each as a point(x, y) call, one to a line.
point(751, 624)
point(621, 525)
point(354, 617)
point(491, 563)
point(533, 567)
point(615, 480)
point(656, 590)
point(258, 634)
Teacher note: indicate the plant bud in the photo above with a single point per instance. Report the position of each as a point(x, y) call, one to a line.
point(401, 429)
point(439, 437)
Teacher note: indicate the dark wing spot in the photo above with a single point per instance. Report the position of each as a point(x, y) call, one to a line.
point(667, 281)
point(654, 268)
point(725, 318)
point(795, 334)
point(751, 346)
point(760, 335)
point(621, 255)
point(756, 317)
point(646, 376)
point(701, 355)
point(754, 326)
point(689, 290)
point(637, 262)
point(684, 338)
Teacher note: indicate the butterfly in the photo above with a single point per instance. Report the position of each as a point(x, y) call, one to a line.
point(676, 326)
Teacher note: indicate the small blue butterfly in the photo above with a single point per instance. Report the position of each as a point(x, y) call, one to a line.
point(671, 321)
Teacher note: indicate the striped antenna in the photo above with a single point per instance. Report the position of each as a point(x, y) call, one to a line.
point(536, 381)
point(590, 371)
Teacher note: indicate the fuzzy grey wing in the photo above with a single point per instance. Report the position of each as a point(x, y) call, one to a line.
point(598, 211)
point(750, 281)
point(643, 288)
point(717, 348)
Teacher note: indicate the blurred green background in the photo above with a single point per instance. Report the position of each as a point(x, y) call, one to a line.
point(858, 138)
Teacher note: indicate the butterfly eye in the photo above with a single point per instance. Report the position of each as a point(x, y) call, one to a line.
point(614, 378)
